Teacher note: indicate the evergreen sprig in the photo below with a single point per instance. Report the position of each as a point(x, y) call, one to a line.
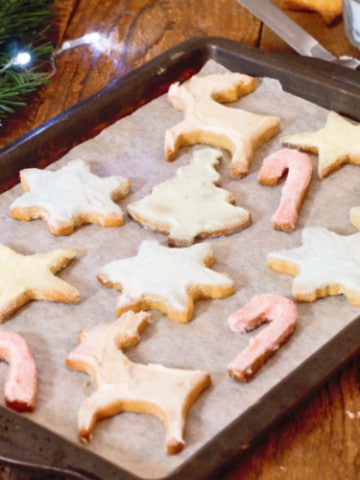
point(24, 26)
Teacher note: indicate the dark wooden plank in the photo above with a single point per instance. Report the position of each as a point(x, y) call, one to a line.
point(132, 33)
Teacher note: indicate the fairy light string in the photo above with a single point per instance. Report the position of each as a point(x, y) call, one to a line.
point(25, 50)
point(22, 60)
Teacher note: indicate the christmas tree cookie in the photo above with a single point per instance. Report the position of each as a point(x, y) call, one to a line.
point(191, 205)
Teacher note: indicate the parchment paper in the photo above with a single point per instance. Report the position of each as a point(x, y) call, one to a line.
point(133, 147)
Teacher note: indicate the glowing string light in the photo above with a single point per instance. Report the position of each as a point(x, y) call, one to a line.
point(94, 39)
point(21, 59)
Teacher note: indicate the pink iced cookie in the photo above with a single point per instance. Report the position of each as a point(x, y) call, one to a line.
point(299, 167)
point(21, 383)
point(282, 314)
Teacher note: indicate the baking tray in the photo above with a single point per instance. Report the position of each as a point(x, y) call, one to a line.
point(325, 84)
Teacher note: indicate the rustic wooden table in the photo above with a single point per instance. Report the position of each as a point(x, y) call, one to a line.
point(320, 440)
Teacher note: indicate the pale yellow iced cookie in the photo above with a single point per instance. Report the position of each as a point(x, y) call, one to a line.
point(191, 205)
point(355, 217)
point(122, 385)
point(166, 279)
point(336, 144)
point(330, 10)
point(24, 278)
point(326, 264)
point(208, 121)
point(69, 197)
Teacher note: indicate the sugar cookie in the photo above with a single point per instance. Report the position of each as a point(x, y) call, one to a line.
point(208, 121)
point(299, 167)
point(70, 197)
point(191, 206)
point(24, 278)
point(337, 143)
point(21, 383)
point(122, 385)
point(326, 264)
point(355, 217)
point(282, 314)
point(166, 279)
point(329, 10)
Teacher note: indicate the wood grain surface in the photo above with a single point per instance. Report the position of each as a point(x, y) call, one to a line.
point(321, 439)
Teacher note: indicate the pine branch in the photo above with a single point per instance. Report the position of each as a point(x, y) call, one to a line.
point(23, 27)
point(23, 18)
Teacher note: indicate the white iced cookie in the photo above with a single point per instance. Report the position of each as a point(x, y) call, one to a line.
point(166, 279)
point(208, 121)
point(326, 264)
point(24, 278)
point(122, 385)
point(191, 205)
point(69, 197)
point(336, 144)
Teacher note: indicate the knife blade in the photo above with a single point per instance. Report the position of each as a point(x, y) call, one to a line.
point(295, 36)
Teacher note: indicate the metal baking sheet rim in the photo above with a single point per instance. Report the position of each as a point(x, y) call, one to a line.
point(323, 83)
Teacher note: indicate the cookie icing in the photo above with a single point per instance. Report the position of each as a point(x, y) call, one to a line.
point(191, 205)
point(299, 168)
point(122, 385)
point(166, 279)
point(69, 197)
point(326, 264)
point(355, 216)
point(24, 278)
point(281, 312)
point(208, 121)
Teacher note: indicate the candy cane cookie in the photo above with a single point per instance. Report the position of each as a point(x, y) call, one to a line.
point(282, 314)
point(21, 384)
point(299, 167)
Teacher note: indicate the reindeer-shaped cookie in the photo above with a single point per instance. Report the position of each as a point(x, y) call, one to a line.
point(208, 121)
point(121, 384)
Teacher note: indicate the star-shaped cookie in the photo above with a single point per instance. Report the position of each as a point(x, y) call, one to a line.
point(337, 143)
point(330, 10)
point(326, 264)
point(24, 278)
point(166, 279)
point(69, 197)
point(191, 205)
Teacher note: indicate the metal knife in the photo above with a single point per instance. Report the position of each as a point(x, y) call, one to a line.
point(301, 41)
